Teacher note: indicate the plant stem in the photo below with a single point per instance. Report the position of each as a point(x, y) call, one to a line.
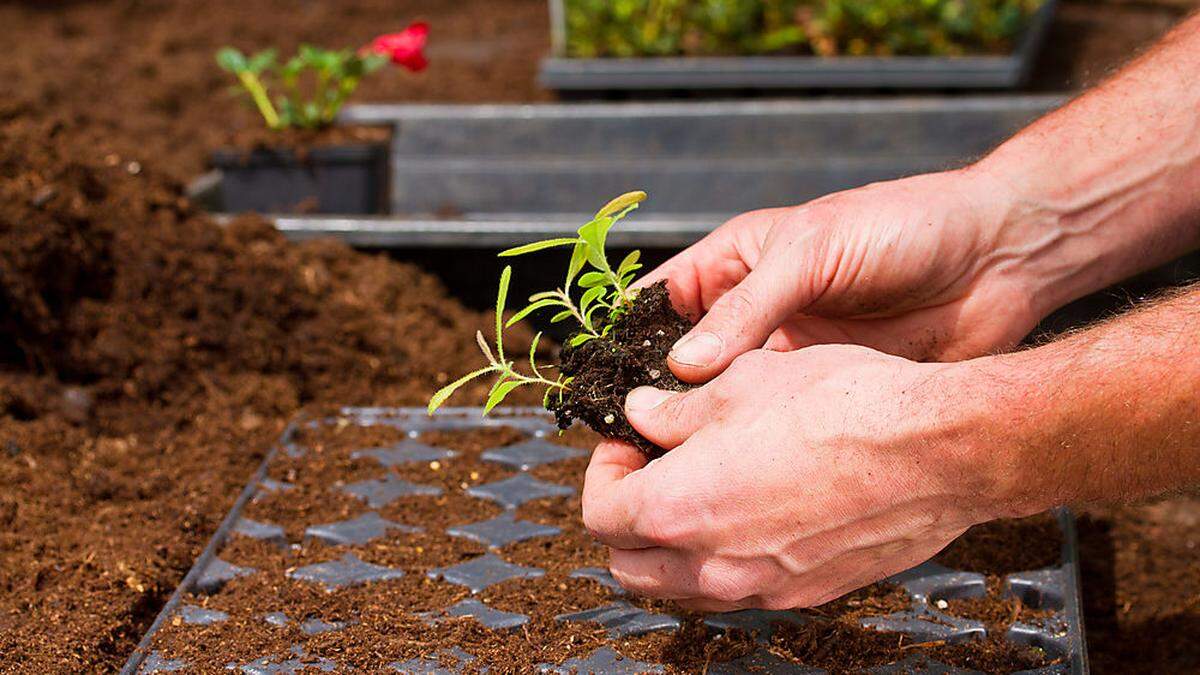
point(259, 93)
point(583, 322)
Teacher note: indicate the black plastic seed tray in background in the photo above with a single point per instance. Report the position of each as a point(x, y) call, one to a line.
point(1055, 588)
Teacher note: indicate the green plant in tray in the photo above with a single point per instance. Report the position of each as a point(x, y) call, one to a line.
point(314, 84)
point(639, 28)
point(603, 295)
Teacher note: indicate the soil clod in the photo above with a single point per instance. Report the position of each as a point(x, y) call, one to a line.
point(606, 370)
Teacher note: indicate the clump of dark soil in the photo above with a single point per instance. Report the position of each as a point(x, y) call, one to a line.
point(606, 370)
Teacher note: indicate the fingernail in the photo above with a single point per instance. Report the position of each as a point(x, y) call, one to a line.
point(698, 350)
point(645, 398)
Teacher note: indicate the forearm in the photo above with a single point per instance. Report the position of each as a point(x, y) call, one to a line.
point(1111, 413)
point(1109, 185)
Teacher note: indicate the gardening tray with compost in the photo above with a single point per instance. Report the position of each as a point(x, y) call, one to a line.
point(380, 538)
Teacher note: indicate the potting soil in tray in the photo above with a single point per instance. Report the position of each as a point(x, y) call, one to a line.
point(380, 540)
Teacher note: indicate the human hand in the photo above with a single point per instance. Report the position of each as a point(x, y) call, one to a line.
point(918, 267)
point(794, 478)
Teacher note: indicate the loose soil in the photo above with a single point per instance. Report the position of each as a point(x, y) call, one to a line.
point(136, 77)
point(382, 626)
point(149, 360)
point(634, 354)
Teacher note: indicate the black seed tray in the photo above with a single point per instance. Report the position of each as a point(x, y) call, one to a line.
point(1057, 588)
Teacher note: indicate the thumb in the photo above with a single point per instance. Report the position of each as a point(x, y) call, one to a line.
point(739, 321)
point(665, 418)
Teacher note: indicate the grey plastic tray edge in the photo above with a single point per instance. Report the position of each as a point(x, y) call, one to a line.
point(776, 72)
point(1074, 601)
point(532, 419)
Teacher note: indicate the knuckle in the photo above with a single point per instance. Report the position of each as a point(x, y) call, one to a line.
point(738, 304)
point(749, 365)
point(677, 410)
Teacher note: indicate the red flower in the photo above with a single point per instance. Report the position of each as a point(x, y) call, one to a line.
point(404, 48)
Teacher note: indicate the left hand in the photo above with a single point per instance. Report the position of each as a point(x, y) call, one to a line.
point(794, 478)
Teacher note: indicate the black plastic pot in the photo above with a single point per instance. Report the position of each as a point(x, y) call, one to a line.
point(343, 179)
point(1006, 71)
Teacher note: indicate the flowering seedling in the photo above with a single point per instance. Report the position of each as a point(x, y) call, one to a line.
point(605, 297)
point(316, 83)
point(604, 287)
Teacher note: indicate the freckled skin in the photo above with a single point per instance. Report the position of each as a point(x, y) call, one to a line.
point(820, 454)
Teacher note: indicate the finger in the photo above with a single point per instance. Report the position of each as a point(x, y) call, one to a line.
point(667, 418)
point(918, 335)
point(697, 275)
point(713, 606)
point(673, 574)
point(700, 274)
point(612, 494)
point(654, 572)
point(739, 321)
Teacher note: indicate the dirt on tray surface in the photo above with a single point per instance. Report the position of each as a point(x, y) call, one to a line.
point(148, 358)
point(605, 370)
point(383, 622)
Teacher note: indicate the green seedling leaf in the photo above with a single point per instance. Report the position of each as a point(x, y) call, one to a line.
point(501, 298)
point(231, 59)
point(578, 260)
point(537, 246)
point(590, 312)
point(561, 316)
point(532, 350)
point(621, 203)
point(445, 392)
point(592, 279)
point(531, 309)
point(261, 61)
point(499, 391)
point(624, 213)
point(373, 62)
point(483, 347)
point(580, 339)
point(629, 264)
point(593, 235)
point(589, 297)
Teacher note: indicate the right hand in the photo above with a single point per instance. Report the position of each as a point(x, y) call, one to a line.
point(913, 267)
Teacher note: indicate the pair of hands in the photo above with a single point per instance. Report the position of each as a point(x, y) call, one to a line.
point(798, 473)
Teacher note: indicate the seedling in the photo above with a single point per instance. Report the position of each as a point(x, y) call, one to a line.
point(317, 82)
point(605, 296)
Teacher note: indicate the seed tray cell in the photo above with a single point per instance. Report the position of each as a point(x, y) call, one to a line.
point(928, 586)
